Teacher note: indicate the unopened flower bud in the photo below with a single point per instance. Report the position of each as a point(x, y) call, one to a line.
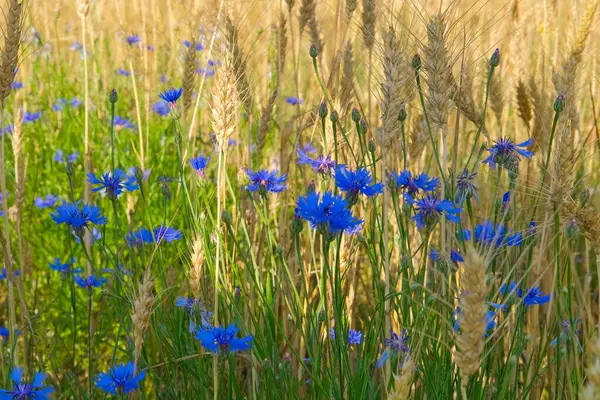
point(416, 62)
point(559, 103)
point(113, 96)
point(313, 51)
point(355, 115)
point(323, 110)
point(495, 59)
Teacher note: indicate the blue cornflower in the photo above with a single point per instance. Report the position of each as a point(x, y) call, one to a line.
point(16, 85)
point(430, 208)
point(329, 215)
point(123, 123)
point(265, 181)
point(139, 238)
point(7, 130)
point(490, 321)
point(222, 338)
point(292, 100)
point(206, 72)
point(397, 345)
point(31, 117)
point(465, 188)
point(456, 257)
point(60, 158)
point(89, 282)
point(308, 148)
point(354, 336)
point(323, 164)
point(161, 108)
point(133, 40)
point(78, 218)
point(488, 234)
point(506, 154)
point(535, 296)
point(506, 200)
point(190, 304)
point(5, 333)
point(412, 185)
point(75, 102)
point(95, 236)
point(123, 72)
point(171, 96)
point(355, 182)
point(113, 184)
point(187, 303)
point(63, 268)
point(199, 164)
point(45, 202)
point(167, 233)
point(120, 379)
point(3, 273)
point(198, 46)
point(26, 391)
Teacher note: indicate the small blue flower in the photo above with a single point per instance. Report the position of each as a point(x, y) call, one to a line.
point(171, 96)
point(60, 158)
point(45, 202)
point(354, 337)
point(198, 46)
point(535, 296)
point(161, 108)
point(26, 391)
point(16, 85)
point(506, 154)
point(224, 339)
point(63, 268)
point(190, 304)
point(113, 184)
point(7, 130)
point(412, 185)
point(489, 235)
point(4, 334)
point(323, 164)
point(355, 182)
point(31, 117)
point(133, 40)
point(430, 209)
point(329, 215)
point(89, 282)
point(397, 345)
point(199, 164)
point(490, 321)
point(123, 123)
point(123, 72)
point(139, 238)
point(78, 218)
point(75, 102)
point(120, 379)
point(166, 233)
point(506, 200)
point(292, 100)
point(456, 257)
point(265, 181)
point(3, 273)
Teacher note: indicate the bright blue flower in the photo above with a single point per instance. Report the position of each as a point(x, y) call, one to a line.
point(199, 164)
point(96, 235)
point(329, 215)
point(78, 218)
point(59, 156)
point(65, 268)
point(190, 304)
point(430, 209)
point(354, 337)
point(75, 102)
point(5, 333)
point(133, 40)
point(506, 154)
point(123, 72)
point(161, 108)
point(199, 46)
point(535, 296)
point(412, 185)
point(323, 164)
point(45, 202)
point(123, 123)
point(506, 199)
point(16, 85)
point(435, 255)
point(89, 282)
point(490, 321)
point(456, 257)
point(489, 235)
point(265, 181)
point(292, 100)
point(113, 184)
point(397, 345)
point(167, 233)
point(3, 273)
point(355, 182)
point(171, 96)
point(31, 117)
point(224, 339)
point(139, 238)
point(26, 391)
point(120, 379)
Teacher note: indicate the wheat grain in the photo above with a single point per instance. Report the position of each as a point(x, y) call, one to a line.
point(402, 382)
point(142, 310)
point(189, 75)
point(195, 272)
point(369, 19)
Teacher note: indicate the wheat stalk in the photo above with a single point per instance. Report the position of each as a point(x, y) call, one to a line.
point(189, 76)
point(142, 310)
point(402, 382)
point(195, 272)
point(591, 390)
point(524, 104)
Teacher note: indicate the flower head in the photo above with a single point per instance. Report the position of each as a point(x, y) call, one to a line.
point(292, 100)
point(198, 46)
point(490, 321)
point(63, 268)
point(322, 164)
point(465, 188)
point(89, 282)
point(412, 185)
point(430, 209)
point(162, 108)
point(123, 72)
point(396, 345)
point(506, 154)
point(489, 235)
point(123, 123)
point(329, 214)
point(3, 273)
point(199, 164)
point(78, 218)
point(265, 181)
point(171, 96)
point(355, 182)
point(354, 336)
point(45, 202)
point(166, 233)
point(31, 117)
point(113, 184)
point(535, 296)
point(5, 334)
point(60, 158)
point(120, 379)
point(26, 391)
point(133, 40)
point(224, 339)
point(139, 238)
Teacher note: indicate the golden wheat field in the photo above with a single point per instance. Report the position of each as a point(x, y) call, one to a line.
point(299, 199)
